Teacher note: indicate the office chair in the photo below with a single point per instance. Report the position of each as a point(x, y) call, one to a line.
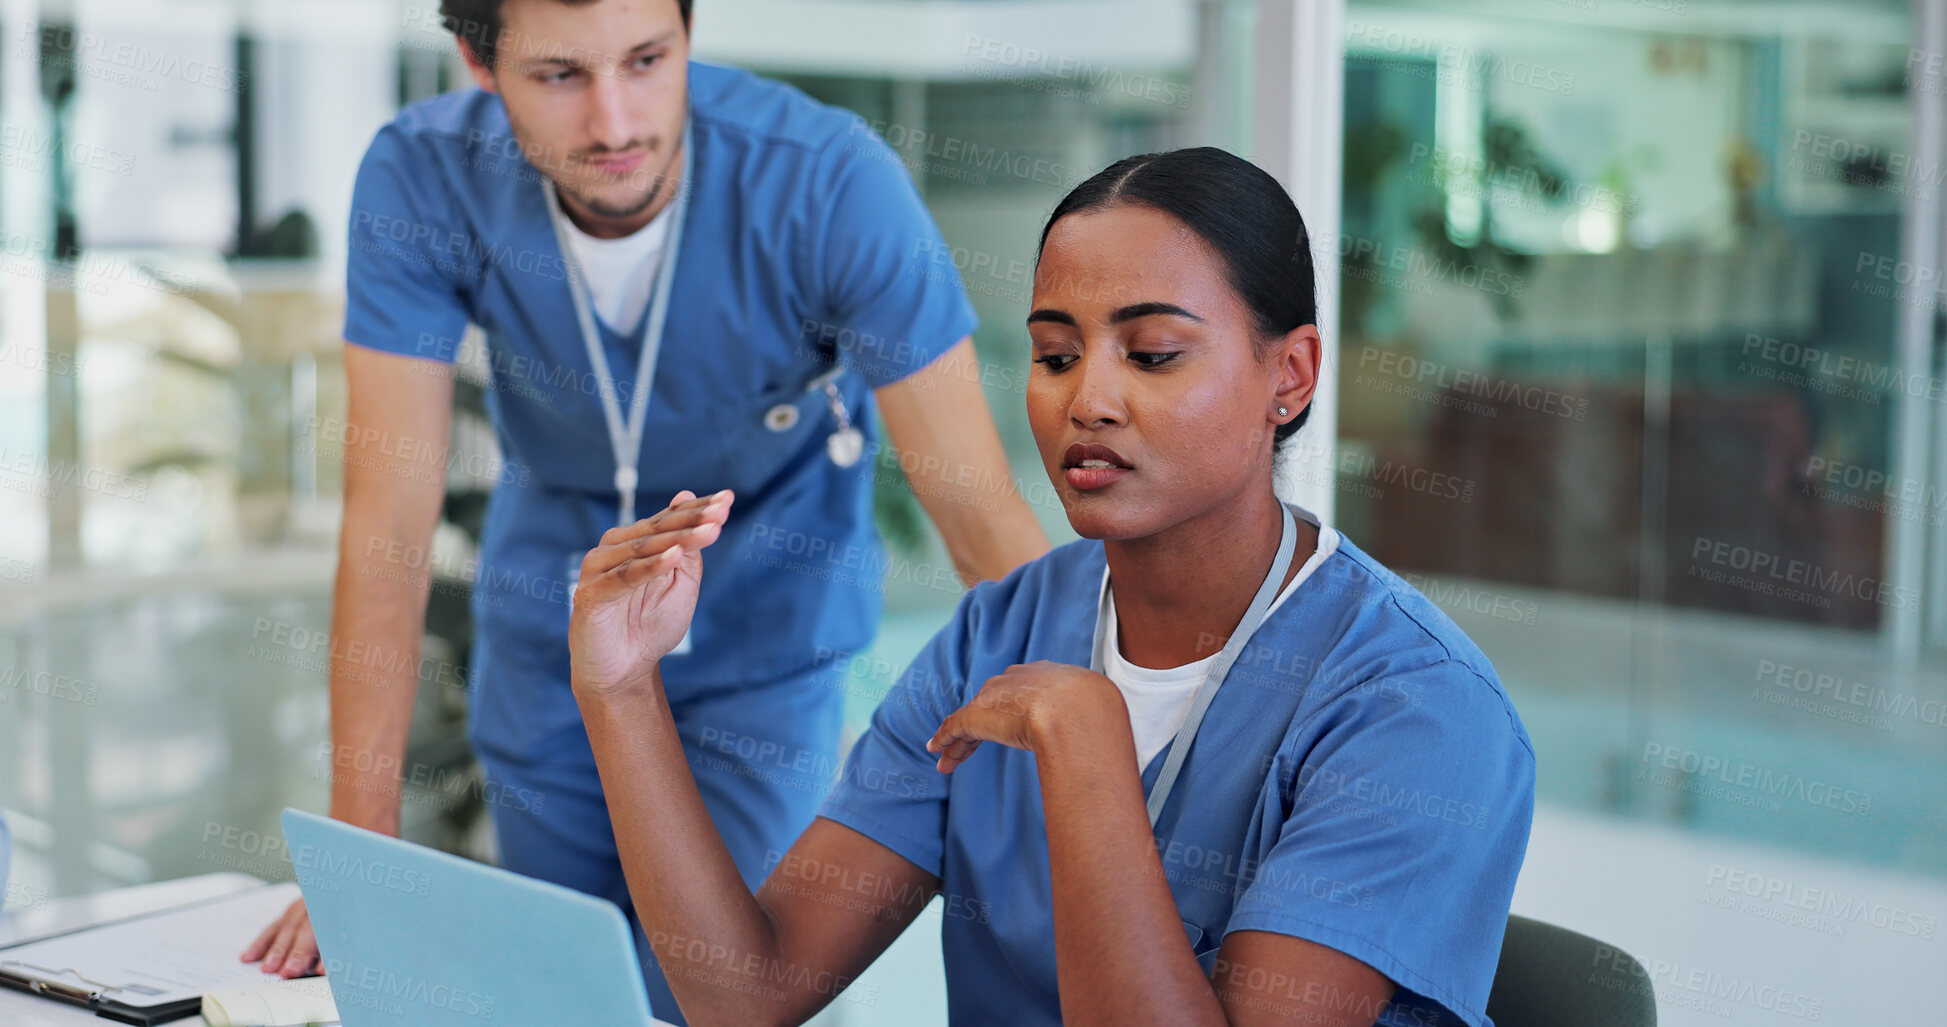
point(1553, 977)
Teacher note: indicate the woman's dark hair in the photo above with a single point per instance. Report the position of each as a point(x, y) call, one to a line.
point(477, 23)
point(1241, 211)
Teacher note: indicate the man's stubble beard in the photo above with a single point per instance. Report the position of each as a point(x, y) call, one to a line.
point(599, 207)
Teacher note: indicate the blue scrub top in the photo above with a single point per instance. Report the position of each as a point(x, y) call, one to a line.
point(806, 245)
point(1360, 781)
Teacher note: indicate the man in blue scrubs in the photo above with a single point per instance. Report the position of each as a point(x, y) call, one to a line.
point(611, 214)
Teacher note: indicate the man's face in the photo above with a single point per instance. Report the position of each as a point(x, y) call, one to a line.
point(597, 94)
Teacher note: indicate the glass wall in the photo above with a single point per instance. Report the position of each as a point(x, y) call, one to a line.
point(1620, 292)
point(1622, 389)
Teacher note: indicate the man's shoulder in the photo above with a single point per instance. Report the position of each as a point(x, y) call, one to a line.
point(764, 113)
point(470, 118)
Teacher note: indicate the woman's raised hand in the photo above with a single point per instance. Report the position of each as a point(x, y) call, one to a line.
point(637, 592)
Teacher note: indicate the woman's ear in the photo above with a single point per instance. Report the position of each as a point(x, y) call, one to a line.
point(1295, 360)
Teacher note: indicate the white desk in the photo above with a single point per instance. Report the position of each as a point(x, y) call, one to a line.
point(19, 1009)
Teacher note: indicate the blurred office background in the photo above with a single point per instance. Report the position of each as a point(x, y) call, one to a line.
point(1637, 373)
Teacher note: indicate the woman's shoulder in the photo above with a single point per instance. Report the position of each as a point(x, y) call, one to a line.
point(1383, 640)
point(1037, 605)
point(1368, 604)
point(1074, 567)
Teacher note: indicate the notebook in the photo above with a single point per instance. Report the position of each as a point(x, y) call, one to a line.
point(300, 1002)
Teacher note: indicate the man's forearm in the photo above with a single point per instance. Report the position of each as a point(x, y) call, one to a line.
point(987, 532)
point(395, 437)
point(953, 457)
point(378, 618)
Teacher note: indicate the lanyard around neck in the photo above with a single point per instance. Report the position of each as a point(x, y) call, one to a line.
point(625, 437)
point(1267, 593)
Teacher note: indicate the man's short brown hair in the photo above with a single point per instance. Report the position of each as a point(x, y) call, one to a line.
point(477, 23)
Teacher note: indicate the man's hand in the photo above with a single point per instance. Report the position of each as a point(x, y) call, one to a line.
point(287, 946)
point(637, 592)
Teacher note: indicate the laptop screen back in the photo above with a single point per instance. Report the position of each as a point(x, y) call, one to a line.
point(412, 937)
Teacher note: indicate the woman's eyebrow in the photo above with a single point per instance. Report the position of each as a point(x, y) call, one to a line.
point(1136, 310)
point(1128, 313)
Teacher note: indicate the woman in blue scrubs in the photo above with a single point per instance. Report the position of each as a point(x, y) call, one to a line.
point(1212, 764)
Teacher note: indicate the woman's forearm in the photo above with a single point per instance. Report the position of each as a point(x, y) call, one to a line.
point(711, 936)
point(1120, 952)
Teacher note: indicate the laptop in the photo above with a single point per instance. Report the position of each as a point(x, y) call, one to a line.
point(413, 937)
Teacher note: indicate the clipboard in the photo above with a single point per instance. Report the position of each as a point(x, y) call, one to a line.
point(153, 968)
point(88, 994)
